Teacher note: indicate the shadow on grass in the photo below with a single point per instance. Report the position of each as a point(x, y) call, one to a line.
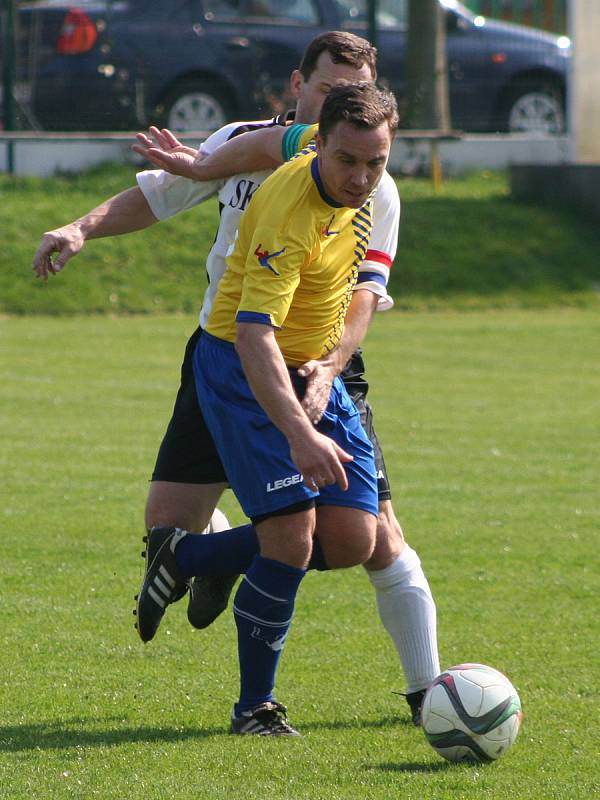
point(355, 724)
point(411, 766)
point(77, 732)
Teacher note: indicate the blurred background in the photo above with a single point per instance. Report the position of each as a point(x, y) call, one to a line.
point(192, 65)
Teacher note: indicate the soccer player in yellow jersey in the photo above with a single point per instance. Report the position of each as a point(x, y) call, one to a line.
point(188, 477)
point(280, 303)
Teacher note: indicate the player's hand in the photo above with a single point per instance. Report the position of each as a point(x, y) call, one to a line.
point(320, 461)
point(66, 242)
point(180, 163)
point(319, 380)
point(165, 151)
point(161, 139)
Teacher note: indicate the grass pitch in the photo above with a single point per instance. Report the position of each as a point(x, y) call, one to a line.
point(490, 424)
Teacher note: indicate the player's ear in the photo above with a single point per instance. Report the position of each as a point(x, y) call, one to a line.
point(296, 81)
point(318, 142)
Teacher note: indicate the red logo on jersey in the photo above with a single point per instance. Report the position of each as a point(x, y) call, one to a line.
point(264, 256)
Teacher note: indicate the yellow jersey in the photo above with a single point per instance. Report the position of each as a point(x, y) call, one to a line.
point(294, 263)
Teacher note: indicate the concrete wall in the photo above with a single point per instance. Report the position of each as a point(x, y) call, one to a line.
point(70, 153)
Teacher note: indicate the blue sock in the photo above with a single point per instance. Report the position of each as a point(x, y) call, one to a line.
point(227, 553)
point(263, 609)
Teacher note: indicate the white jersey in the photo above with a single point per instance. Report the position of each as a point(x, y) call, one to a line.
point(168, 195)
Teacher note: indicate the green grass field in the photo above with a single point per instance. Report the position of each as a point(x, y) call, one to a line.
point(469, 246)
point(490, 423)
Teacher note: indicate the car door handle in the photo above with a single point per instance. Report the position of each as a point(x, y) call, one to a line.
point(237, 43)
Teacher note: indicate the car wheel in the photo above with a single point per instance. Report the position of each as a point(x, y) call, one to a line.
point(536, 111)
point(194, 106)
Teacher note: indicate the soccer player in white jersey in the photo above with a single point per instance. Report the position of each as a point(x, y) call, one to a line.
point(188, 478)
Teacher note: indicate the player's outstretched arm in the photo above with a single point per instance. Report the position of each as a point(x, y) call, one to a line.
point(124, 213)
point(321, 373)
point(248, 152)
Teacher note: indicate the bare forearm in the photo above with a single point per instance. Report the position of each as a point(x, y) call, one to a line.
point(358, 318)
point(321, 373)
point(248, 152)
point(124, 213)
point(269, 379)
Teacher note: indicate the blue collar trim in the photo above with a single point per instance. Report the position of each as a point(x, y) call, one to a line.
point(314, 168)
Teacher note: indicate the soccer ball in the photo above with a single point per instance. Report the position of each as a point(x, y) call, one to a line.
point(471, 713)
point(218, 522)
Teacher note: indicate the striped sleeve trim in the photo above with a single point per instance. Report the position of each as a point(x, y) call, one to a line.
point(380, 257)
point(291, 140)
point(255, 317)
point(371, 276)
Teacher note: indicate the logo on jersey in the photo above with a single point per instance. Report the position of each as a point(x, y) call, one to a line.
point(283, 483)
point(243, 192)
point(326, 231)
point(264, 256)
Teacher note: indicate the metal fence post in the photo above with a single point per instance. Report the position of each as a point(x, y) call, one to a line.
point(372, 21)
point(8, 77)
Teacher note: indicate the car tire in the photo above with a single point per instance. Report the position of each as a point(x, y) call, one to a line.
point(194, 104)
point(535, 109)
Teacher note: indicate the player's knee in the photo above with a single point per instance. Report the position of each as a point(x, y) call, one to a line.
point(287, 538)
point(354, 554)
point(176, 505)
point(389, 541)
point(350, 551)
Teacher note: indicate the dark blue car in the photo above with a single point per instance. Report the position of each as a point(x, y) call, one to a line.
point(195, 64)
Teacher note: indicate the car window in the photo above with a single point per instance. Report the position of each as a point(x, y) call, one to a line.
point(298, 11)
point(390, 13)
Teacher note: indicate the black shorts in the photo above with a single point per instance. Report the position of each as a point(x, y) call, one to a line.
point(187, 453)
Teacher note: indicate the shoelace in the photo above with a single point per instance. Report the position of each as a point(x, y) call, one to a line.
point(270, 714)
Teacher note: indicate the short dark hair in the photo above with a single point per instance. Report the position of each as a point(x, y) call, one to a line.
point(344, 48)
point(361, 104)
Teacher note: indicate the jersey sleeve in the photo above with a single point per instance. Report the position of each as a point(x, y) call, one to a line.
point(374, 272)
point(296, 138)
point(273, 266)
point(168, 194)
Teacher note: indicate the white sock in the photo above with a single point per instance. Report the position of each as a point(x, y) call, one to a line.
point(407, 611)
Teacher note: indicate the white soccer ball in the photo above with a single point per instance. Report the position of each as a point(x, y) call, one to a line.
point(471, 713)
point(218, 522)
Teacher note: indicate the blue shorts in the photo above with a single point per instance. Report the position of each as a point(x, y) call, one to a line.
point(256, 455)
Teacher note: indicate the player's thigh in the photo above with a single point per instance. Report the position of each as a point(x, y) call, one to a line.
point(347, 535)
point(182, 505)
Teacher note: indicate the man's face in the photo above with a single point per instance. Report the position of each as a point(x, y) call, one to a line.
point(311, 94)
point(352, 161)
